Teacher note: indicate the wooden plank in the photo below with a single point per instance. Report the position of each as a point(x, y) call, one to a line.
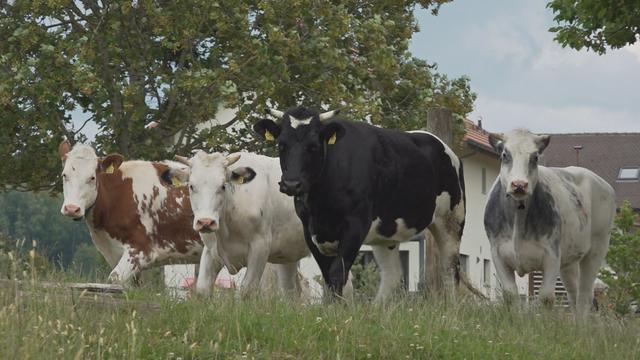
point(89, 287)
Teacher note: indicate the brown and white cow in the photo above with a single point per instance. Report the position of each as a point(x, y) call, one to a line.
point(136, 218)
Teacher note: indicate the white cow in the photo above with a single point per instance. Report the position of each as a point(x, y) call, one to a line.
point(557, 220)
point(242, 218)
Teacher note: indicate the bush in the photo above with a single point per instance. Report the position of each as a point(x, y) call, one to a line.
point(623, 273)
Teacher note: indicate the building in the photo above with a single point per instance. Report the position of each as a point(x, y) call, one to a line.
point(613, 156)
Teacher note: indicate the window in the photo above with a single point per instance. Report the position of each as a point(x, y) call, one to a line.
point(486, 272)
point(464, 263)
point(629, 173)
point(484, 181)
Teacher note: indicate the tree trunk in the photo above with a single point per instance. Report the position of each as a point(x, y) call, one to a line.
point(439, 122)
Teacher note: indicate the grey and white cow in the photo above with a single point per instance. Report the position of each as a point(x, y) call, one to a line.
point(557, 220)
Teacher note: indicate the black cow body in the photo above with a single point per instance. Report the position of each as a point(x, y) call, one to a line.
point(372, 185)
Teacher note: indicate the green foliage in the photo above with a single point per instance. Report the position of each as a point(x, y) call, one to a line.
point(89, 263)
point(45, 324)
point(623, 259)
point(595, 24)
point(28, 217)
point(125, 63)
point(366, 279)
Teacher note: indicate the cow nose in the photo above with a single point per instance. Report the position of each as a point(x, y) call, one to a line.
point(291, 187)
point(206, 224)
point(519, 187)
point(71, 209)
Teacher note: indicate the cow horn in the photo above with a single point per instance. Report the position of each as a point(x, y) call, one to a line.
point(328, 115)
point(277, 113)
point(183, 159)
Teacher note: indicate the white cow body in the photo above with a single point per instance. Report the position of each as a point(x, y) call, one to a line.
point(557, 220)
point(250, 221)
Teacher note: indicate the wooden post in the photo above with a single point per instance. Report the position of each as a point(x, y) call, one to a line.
point(439, 123)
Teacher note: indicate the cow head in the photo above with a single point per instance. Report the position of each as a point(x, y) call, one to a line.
point(81, 167)
point(302, 136)
point(209, 178)
point(519, 152)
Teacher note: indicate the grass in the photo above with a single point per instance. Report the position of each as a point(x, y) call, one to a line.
point(45, 323)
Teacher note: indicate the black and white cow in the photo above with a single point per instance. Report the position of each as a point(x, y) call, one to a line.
point(557, 220)
point(355, 183)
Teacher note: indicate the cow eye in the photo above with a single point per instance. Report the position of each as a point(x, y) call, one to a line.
point(191, 187)
point(64, 176)
point(92, 178)
point(223, 187)
point(535, 158)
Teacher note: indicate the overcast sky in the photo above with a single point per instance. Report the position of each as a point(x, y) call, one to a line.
point(522, 77)
point(525, 79)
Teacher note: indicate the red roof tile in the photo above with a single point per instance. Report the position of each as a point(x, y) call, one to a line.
point(476, 136)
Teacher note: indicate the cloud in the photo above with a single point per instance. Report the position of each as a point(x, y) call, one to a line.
point(634, 50)
point(500, 116)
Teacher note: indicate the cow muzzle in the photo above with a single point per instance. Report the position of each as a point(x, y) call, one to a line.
point(73, 211)
point(291, 187)
point(205, 225)
point(519, 189)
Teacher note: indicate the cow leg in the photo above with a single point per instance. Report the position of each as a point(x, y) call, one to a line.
point(569, 275)
point(506, 277)
point(551, 270)
point(388, 260)
point(349, 245)
point(589, 267)
point(128, 266)
point(210, 265)
point(256, 262)
point(288, 277)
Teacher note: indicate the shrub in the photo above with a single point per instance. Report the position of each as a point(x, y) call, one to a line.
point(623, 273)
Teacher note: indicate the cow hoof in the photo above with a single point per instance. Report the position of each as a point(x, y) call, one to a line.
point(114, 278)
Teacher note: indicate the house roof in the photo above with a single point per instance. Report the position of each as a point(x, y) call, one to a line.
point(603, 153)
point(476, 136)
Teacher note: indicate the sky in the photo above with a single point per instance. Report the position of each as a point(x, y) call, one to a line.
point(521, 76)
point(525, 79)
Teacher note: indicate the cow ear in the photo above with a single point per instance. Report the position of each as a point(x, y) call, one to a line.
point(176, 176)
point(63, 149)
point(542, 142)
point(496, 143)
point(267, 129)
point(111, 163)
point(241, 175)
point(332, 132)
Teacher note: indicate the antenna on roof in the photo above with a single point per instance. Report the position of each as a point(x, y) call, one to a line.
point(577, 148)
point(480, 121)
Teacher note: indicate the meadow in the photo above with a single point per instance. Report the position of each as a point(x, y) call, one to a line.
point(38, 322)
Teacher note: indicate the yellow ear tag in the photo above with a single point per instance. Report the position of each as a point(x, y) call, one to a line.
point(332, 139)
point(175, 181)
point(110, 169)
point(241, 180)
point(268, 135)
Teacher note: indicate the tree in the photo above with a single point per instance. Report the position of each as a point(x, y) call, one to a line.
point(28, 217)
point(128, 63)
point(596, 25)
point(623, 273)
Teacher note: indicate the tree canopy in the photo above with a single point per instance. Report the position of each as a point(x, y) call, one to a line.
point(126, 64)
point(596, 24)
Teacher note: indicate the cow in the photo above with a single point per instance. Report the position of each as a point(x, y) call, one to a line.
point(355, 183)
point(557, 220)
point(136, 218)
point(241, 220)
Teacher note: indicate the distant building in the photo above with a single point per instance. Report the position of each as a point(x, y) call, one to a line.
point(613, 156)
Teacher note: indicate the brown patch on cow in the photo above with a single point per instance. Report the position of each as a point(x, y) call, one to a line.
point(116, 212)
point(175, 217)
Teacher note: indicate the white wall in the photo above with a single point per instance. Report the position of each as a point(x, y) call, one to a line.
point(475, 243)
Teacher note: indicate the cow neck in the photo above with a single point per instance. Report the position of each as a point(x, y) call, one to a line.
point(102, 202)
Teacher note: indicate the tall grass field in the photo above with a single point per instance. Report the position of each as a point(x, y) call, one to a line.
point(52, 323)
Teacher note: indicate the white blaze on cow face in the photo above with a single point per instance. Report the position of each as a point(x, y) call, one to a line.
point(520, 151)
point(207, 188)
point(79, 181)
